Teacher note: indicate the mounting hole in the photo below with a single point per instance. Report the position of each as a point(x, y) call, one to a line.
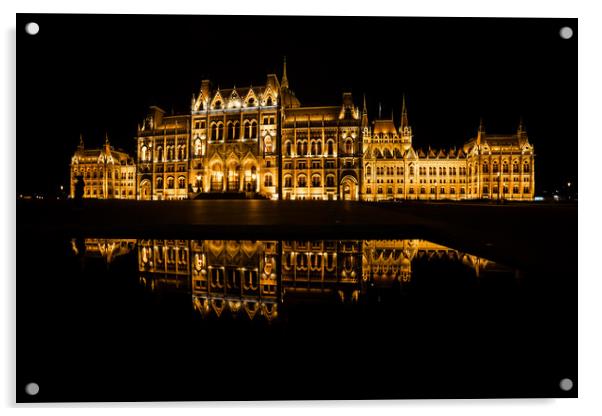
point(32, 389)
point(566, 384)
point(566, 32)
point(32, 28)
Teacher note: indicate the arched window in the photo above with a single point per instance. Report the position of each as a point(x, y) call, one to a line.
point(319, 148)
point(269, 101)
point(181, 182)
point(267, 144)
point(330, 181)
point(288, 148)
point(251, 102)
point(315, 181)
point(182, 155)
point(144, 153)
point(170, 182)
point(412, 170)
point(198, 147)
point(485, 167)
point(302, 181)
point(515, 168)
point(330, 145)
point(368, 170)
point(230, 130)
point(218, 105)
point(505, 167)
point(349, 146)
point(160, 182)
point(214, 131)
point(496, 168)
point(526, 168)
point(267, 181)
point(159, 154)
point(288, 181)
point(253, 130)
point(220, 131)
point(299, 148)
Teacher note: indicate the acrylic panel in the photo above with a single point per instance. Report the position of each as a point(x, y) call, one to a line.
point(290, 208)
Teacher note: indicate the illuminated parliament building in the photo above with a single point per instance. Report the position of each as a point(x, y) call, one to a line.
point(260, 142)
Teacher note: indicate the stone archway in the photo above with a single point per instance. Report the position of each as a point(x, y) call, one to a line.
point(145, 190)
point(349, 189)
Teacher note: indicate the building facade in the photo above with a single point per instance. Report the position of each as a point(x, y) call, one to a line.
point(106, 173)
point(260, 142)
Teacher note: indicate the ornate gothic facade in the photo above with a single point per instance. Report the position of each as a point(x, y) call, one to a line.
point(259, 141)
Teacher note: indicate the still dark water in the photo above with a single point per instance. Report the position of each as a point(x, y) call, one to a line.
point(140, 319)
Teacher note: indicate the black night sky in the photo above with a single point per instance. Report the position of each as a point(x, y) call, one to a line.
point(97, 73)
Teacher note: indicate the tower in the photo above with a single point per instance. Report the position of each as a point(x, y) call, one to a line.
point(405, 130)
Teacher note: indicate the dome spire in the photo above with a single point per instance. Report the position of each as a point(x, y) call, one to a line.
point(284, 83)
point(81, 142)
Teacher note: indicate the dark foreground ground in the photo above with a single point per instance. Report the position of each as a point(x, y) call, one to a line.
point(528, 236)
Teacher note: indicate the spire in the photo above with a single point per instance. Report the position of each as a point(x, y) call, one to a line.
point(284, 83)
point(521, 126)
point(380, 111)
point(481, 131)
point(81, 142)
point(404, 114)
point(365, 114)
point(107, 144)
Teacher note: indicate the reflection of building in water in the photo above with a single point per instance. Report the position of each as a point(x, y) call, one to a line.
point(107, 248)
point(252, 278)
point(385, 261)
point(222, 275)
point(318, 268)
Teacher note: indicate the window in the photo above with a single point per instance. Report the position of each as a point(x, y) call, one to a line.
point(315, 181)
point(330, 181)
point(485, 189)
point(515, 167)
point(253, 130)
point(288, 148)
point(218, 105)
point(515, 189)
point(349, 146)
point(505, 167)
point(330, 145)
point(368, 171)
point(170, 182)
point(526, 190)
point(269, 101)
point(267, 180)
point(181, 182)
point(267, 144)
point(495, 167)
point(302, 181)
point(198, 147)
point(485, 167)
point(160, 182)
point(526, 168)
point(288, 182)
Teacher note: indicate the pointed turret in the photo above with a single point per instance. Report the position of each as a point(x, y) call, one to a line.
point(365, 114)
point(404, 128)
point(284, 83)
point(80, 146)
point(521, 126)
point(404, 115)
point(107, 144)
